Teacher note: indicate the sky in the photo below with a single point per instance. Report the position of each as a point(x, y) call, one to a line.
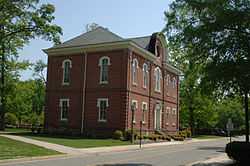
point(127, 18)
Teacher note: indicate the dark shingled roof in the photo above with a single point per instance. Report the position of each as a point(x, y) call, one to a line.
point(101, 35)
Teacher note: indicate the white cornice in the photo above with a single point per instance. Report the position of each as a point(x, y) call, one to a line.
point(172, 69)
point(100, 47)
point(125, 44)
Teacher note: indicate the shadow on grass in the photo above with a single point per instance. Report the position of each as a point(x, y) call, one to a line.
point(128, 164)
point(217, 149)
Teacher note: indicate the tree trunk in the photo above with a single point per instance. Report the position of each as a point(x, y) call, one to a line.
point(191, 120)
point(246, 115)
point(2, 100)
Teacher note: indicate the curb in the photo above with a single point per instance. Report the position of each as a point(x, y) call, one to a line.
point(221, 160)
point(36, 158)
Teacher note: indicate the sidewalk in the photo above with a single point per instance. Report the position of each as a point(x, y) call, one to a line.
point(78, 151)
point(221, 160)
point(56, 147)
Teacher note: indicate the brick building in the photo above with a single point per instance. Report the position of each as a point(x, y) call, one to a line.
point(97, 80)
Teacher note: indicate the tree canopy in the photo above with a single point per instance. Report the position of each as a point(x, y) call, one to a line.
point(216, 35)
point(22, 20)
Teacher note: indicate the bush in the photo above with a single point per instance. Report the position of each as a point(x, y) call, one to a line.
point(117, 134)
point(178, 138)
point(128, 134)
point(238, 151)
point(167, 138)
point(11, 119)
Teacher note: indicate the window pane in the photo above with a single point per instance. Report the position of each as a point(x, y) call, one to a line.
point(104, 74)
point(66, 72)
point(103, 109)
point(64, 111)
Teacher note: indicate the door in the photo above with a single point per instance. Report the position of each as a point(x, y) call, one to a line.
point(158, 118)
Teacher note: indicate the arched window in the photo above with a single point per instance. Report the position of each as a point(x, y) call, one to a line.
point(174, 82)
point(66, 65)
point(168, 79)
point(157, 49)
point(104, 63)
point(145, 75)
point(157, 79)
point(134, 71)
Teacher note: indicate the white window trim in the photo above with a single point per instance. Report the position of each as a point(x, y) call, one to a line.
point(145, 84)
point(160, 115)
point(100, 65)
point(135, 78)
point(60, 104)
point(174, 82)
point(63, 66)
point(99, 111)
point(168, 79)
point(136, 107)
point(143, 111)
point(157, 69)
point(174, 111)
point(168, 110)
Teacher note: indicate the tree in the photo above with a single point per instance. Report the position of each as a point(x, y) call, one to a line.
point(39, 68)
point(38, 99)
point(21, 21)
point(219, 33)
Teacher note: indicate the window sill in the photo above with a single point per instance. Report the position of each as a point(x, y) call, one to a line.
point(65, 84)
point(63, 120)
point(134, 84)
point(102, 121)
point(156, 91)
point(104, 82)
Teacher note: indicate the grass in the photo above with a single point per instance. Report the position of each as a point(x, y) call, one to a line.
point(17, 130)
point(10, 149)
point(75, 142)
point(207, 136)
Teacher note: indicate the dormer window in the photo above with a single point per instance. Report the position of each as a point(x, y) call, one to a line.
point(158, 50)
point(66, 65)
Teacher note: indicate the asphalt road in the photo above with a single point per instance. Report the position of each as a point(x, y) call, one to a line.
point(172, 155)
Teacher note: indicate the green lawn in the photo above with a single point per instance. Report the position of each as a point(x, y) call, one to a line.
point(10, 149)
point(77, 142)
point(17, 130)
point(207, 136)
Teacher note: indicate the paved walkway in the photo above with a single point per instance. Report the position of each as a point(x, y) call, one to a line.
point(56, 147)
point(78, 151)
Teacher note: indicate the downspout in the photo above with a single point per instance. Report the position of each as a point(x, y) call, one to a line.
point(128, 85)
point(84, 90)
point(178, 105)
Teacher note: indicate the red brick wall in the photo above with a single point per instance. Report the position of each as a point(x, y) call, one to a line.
point(115, 91)
point(55, 90)
point(120, 91)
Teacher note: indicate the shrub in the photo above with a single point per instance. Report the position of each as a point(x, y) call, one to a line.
point(117, 134)
point(11, 119)
point(167, 138)
point(189, 133)
point(178, 138)
point(128, 134)
point(238, 151)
